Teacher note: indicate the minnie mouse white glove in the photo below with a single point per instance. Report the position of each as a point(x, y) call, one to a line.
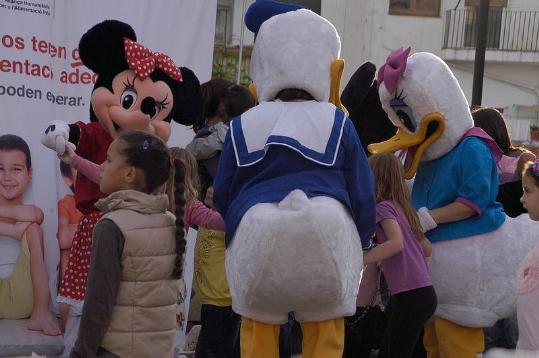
point(56, 137)
point(426, 220)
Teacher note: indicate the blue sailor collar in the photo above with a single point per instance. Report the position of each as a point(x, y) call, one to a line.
point(313, 129)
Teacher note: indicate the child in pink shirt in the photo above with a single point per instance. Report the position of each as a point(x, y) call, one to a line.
point(402, 248)
point(528, 276)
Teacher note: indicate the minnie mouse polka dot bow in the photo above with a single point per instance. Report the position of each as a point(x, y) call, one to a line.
point(143, 62)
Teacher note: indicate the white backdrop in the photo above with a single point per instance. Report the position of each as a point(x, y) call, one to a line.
point(40, 36)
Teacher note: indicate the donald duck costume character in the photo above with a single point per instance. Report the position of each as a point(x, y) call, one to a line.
point(476, 247)
point(296, 192)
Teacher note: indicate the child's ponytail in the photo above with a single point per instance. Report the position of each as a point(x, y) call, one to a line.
point(179, 205)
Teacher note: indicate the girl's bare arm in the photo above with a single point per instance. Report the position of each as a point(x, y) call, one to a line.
point(392, 246)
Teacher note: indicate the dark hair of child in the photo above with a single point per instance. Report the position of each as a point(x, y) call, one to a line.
point(237, 99)
point(492, 122)
point(292, 94)
point(531, 169)
point(213, 92)
point(10, 142)
point(151, 155)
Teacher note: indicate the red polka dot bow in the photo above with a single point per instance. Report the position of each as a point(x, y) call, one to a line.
point(143, 62)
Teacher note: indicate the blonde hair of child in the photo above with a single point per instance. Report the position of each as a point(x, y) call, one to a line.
point(390, 185)
point(192, 183)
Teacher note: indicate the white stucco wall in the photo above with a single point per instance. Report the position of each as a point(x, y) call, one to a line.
point(523, 4)
point(504, 85)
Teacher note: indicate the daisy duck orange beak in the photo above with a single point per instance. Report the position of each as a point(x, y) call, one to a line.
point(431, 127)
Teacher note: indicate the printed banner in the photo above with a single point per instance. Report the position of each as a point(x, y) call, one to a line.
point(42, 79)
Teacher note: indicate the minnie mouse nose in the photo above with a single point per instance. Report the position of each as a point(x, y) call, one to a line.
point(148, 106)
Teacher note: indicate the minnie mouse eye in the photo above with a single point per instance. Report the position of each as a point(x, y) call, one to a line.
point(128, 99)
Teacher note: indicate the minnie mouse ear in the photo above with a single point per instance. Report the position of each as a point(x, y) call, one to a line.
point(101, 48)
point(360, 97)
point(187, 98)
point(359, 85)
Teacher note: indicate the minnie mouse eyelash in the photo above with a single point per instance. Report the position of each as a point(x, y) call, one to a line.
point(164, 102)
point(130, 85)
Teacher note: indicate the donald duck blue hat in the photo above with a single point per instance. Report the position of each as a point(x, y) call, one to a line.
point(262, 10)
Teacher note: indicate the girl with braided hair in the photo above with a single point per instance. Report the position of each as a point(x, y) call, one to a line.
point(137, 254)
point(174, 173)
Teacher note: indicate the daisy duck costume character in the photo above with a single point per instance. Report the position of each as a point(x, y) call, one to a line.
point(136, 89)
point(296, 193)
point(477, 249)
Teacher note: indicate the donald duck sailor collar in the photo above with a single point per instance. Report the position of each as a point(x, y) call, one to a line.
point(316, 137)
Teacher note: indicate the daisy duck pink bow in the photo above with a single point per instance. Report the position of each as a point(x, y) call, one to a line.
point(143, 61)
point(394, 67)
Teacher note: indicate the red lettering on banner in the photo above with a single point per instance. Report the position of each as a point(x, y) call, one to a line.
point(9, 41)
point(75, 54)
point(86, 78)
point(47, 73)
point(46, 47)
point(5, 66)
point(77, 77)
point(19, 43)
point(26, 67)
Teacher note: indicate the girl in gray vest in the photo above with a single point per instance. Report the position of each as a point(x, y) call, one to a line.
point(130, 305)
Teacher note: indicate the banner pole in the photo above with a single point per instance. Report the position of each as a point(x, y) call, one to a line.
point(240, 55)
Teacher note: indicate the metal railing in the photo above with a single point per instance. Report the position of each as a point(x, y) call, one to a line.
point(507, 30)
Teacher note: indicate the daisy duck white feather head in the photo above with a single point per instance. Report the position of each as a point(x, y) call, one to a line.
point(424, 100)
point(297, 49)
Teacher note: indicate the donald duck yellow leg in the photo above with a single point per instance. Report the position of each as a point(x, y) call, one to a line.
point(477, 249)
point(320, 339)
point(259, 339)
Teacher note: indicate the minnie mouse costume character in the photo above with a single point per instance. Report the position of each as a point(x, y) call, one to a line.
point(136, 89)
